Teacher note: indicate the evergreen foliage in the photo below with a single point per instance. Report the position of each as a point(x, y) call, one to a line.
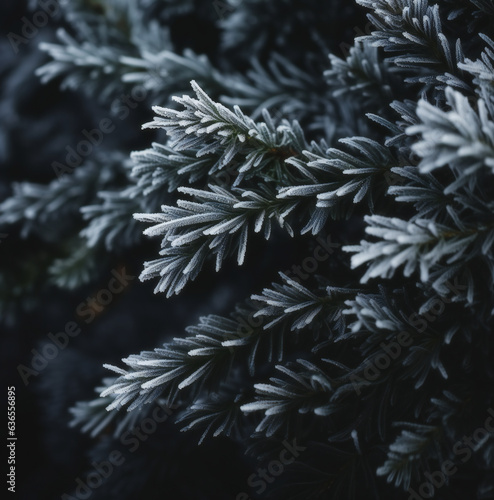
point(375, 353)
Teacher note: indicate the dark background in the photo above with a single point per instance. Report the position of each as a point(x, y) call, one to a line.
point(37, 122)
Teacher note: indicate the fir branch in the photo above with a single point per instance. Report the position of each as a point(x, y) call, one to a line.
point(161, 167)
point(362, 75)
point(412, 29)
point(218, 415)
point(482, 69)
point(204, 360)
point(425, 192)
point(343, 178)
point(305, 388)
point(408, 451)
point(94, 419)
point(208, 128)
point(411, 346)
point(200, 361)
point(461, 138)
point(296, 303)
point(280, 86)
point(50, 210)
point(421, 244)
point(217, 223)
point(78, 267)
point(109, 221)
